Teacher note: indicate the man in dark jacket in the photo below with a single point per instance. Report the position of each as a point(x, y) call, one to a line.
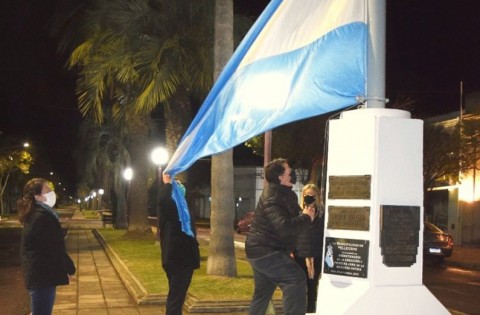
point(180, 254)
point(272, 238)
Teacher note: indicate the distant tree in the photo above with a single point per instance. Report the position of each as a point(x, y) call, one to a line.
point(103, 156)
point(301, 142)
point(441, 155)
point(470, 152)
point(12, 160)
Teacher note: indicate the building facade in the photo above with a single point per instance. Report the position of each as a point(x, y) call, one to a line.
point(455, 200)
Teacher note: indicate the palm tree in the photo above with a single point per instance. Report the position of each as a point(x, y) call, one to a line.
point(135, 55)
point(103, 156)
point(221, 260)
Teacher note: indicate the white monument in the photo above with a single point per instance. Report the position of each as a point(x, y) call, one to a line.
point(374, 217)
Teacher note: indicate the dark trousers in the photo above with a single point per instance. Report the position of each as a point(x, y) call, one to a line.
point(312, 284)
point(42, 300)
point(179, 278)
point(278, 269)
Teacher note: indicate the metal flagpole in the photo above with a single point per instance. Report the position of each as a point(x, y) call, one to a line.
point(376, 10)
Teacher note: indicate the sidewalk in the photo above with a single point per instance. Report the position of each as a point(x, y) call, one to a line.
point(96, 289)
point(100, 285)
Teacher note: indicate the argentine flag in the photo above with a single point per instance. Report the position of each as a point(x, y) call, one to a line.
point(300, 59)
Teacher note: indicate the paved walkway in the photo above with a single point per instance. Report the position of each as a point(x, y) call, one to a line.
point(96, 289)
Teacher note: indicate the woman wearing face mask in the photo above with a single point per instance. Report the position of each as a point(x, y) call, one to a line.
point(45, 262)
point(308, 252)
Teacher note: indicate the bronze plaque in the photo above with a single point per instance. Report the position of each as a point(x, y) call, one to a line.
point(349, 187)
point(349, 218)
point(399, 235)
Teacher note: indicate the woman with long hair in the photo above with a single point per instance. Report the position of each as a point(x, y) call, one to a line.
point(308, 252)
point(44, 259)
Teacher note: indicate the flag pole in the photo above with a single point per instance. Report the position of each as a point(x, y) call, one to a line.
point(267, 147)
point(267, 150)
point(461, 100)
point(376, 10)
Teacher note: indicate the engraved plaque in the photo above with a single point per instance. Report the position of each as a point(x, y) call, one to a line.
point(399, 238)
point(349, 187)
point(349, 218)
point(346, 257)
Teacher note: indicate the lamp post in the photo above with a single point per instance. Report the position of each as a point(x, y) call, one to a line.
point(159, 157)
point(94, 200)
point(123, 201)
point(100, 201)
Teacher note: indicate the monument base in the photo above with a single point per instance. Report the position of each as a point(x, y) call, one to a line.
point(340, 298)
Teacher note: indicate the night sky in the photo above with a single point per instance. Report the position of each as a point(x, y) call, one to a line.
point(432, 45)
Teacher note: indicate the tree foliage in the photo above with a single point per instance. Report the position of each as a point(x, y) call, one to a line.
point(470, 151)
point(441, 155)
point(12, 160)
point(131, 56)
point(301, 142)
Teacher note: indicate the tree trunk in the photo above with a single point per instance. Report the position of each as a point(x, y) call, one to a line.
point(221, 259)
point(138, 190)
point(3, 185)
point(177, 119)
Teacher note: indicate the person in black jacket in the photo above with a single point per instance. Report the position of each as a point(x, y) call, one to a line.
point(308, 253)
point(44, 259)
point(180, 253)
point(272, 238)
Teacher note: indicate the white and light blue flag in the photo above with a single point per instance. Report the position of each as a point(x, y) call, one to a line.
point(301, 58)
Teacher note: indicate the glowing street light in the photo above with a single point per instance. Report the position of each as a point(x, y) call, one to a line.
point(128, 174)
point(121, 221)
point(100, 202)
point(159, 156)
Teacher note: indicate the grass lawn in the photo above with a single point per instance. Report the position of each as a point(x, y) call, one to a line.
point(142, 257)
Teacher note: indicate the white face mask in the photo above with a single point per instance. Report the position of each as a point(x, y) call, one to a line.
point(51, 198)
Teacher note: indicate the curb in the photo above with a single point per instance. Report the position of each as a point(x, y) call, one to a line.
point(192, 304)
point(134, 287)
point(465, 265)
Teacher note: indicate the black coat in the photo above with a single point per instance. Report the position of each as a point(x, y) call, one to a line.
point(310, 240)
point(177, 247)
point(44, 259)
point(276, 223)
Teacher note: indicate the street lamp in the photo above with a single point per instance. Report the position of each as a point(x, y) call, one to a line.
point(121, 220)
point(15, 146)
point(100, 193)
point(128, 174)
point(159, 156)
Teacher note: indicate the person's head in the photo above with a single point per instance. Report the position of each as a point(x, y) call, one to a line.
point(311, 194)
point(35, 189)
point(278, 172)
